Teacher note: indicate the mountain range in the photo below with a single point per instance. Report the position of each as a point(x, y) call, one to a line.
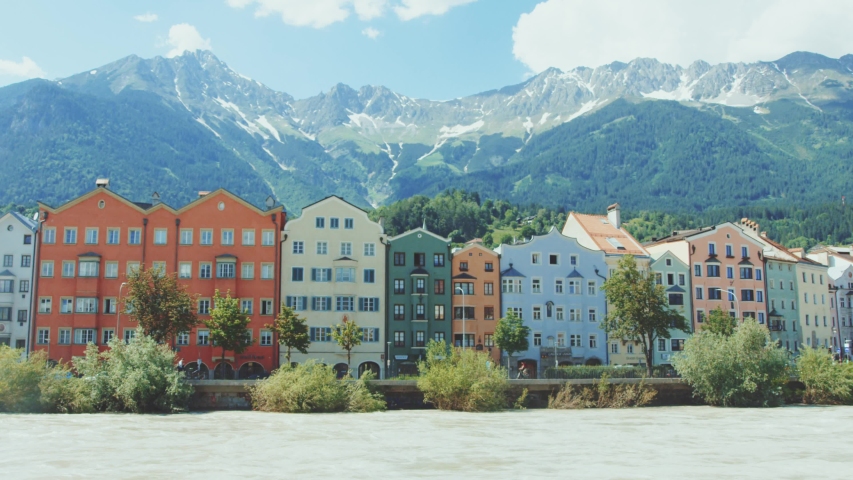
point(647, 134)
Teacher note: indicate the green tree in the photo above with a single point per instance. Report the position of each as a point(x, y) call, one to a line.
point(511, 335)
point(720, 322)
point(528, 231)
point(160, 305)
point(826, 382)
point(640, 310)
point(488, 240)
point(506, 239)
point(348, 335)
point(292, 331)
point(228, 325)
point(456, 379)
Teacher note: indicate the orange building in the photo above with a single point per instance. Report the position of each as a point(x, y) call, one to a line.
point(217, 242)
point(476, 298)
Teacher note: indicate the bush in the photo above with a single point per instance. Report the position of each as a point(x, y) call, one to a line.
point(138, 377)
point(313, 387)
point(603, 394)
point(34, 385)
point(826, 382)
point(584, 371)
point(466, 380)
point(745, 369)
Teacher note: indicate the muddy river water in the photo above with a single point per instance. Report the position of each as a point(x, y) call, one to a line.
point(665, 442)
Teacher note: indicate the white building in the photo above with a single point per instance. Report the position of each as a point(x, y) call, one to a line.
point(17, 240)
point(333, 271)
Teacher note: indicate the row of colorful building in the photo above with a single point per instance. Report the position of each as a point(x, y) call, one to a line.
point(64, 272)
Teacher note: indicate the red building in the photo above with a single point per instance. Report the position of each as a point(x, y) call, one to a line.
point(218, 242)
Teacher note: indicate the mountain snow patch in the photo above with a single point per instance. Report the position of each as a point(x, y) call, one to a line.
point(459, 130)
point(93, 72)
point(266, 124)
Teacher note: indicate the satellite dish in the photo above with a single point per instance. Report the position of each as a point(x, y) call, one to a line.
point(36, 216)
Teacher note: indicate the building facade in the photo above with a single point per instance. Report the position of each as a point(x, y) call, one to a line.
point(817, 321)
point(419, 296)
point(476, 298)
point(218, 242)
point(333, 271)
point(554, 284)
point(674, 276)
point(839, 263)
point(17, 249)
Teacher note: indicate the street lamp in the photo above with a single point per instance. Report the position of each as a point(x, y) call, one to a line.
point(463, 316)
point(118, 308)
point(388, 361)
point(733, 298)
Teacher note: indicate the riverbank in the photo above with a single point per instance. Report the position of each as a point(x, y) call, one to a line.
point(658, 442)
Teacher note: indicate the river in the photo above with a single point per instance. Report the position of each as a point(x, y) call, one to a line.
point(660, 442)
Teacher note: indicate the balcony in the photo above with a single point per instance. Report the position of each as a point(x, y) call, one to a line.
point(776, 326)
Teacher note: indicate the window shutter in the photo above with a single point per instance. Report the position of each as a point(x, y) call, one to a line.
point(304, 303)
point(360, 304)
point(328, 273)
point(313, 274)
point(375, 304)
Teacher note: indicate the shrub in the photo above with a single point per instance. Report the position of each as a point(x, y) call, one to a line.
point(138, 377)
point(603, 394)
point(584, 371)
point(745, 369)
point(34, 385)
point(826, 382)
point(313, 387)
point(466, 380)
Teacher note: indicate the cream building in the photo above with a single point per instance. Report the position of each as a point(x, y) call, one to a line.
point(17, 241)
point(333, 271)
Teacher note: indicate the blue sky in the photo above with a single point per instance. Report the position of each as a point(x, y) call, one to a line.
point(437, 49)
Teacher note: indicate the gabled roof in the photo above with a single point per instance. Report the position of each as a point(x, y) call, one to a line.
point(28, 222)
point(574, 274)
point(512, 272)
point(681, 235)
point(607, 237)
point(6, 273)
point(344, 259)
point(420, 230)
point(333, 196)
point(464, 276)
point(676, 289)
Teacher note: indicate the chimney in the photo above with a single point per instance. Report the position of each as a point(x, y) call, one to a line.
point(102, 183)
point(382, 223)
point(613, 215)
point(203, 193)
point(155, 198)
point(747, 223)
point(798, 252)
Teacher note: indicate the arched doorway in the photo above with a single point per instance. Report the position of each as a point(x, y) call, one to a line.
point(341, 370)
point(529, 371)
point(194, 372)
point(228, 372)
point(251, 371)
point(593, 362)
point(371, 366)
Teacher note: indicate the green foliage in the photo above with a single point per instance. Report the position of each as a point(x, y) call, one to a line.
point(292, 331)
point(160, 303)
point(138, 377)
point(462, 379)
point(603, 394)
point(228, 325)
point(826, 382)
point(348, 336)
point(313, 387)
point(639, 310)
point(745, 369)
point(511, 334)
point(588, 371)
point(719, 322)
point(33, 384)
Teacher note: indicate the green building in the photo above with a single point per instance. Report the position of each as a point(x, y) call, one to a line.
point(419, 297)
point(674, 275)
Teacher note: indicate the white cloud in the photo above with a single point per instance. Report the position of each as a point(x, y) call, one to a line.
point(411, 9)
point(183, 37)
point(314, 13)
point(146, 17)
point(570, 33)
point(26, 68)
point(369, 9)
point(371, 33)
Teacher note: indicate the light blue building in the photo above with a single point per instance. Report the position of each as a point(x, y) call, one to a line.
point(554, 284)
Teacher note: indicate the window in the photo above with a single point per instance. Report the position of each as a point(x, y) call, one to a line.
point(438, 287)
point(681, 279)
point(297, 302)
point(47, 268)
point(368, 304)
point(629, 349)
point(70, 235)
point(346, 248)
point(204, 270)
point(298, 247)
point(344, 303)
point(558, 286)
point(399, 286)
point(469, 313)
point(759, 296)
point(744, 252)
point(344, 274)
point(399, 312)
point(658, 278)
point(160, 236)
point(321, 304)
point(110, 305)
point(537, 339)
point(575, 340)
point(464, 287)
point(87, 305)
point(248, 237)
point(266, 306)
point(111, 270)
point(489, 340)
point(488, 288)
point(203, 337)
point(537, 313)
point(266, 271)
point(320, 222)
point(713, 270)
point(68, 268)
point(321, 274)
point(758, 274)
point(677, 344)
point(661, 344)
point(535, 285)
point(488, 313)
point(88, 269)
point(700, 316)
point(82, 336)
point(206, 235)
point(535, 259)
point(591, 315)
point(573, 259)
point(334, 222)
point(247, 306)
point(227, 236)
point(399, 339)
point(590, 287)
point(49, 236)
point(676, 299)
point(712, 249)
point(369, 249)
point(64, 336)
point(560, 314)
point(746, 273)
point(517, 311)
point(399, 259)
point(186, 236)
point(267, 238)
point(247, 270)
point(369, 275)
point(614, 347)
point(419, 339)
point(729, 272)
point(23, 286)
point(348, 223)
point(134, 236)
point(7, 286)
point(729, 251)
point(697, 270)
point(420, 312)
point(296, 274)
point(204, 306)
point(45, 304)
point(420, 259)
point(438, 260)
point(574, 287)
point(266, 338)
point(5, 314)
point(593, 341)
point(8, 260)
point(322, 248)
point(107, 335)
point(574, 315)
point(490, 267)
point(553, 259)
point(26, 261)
point(420, 285)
